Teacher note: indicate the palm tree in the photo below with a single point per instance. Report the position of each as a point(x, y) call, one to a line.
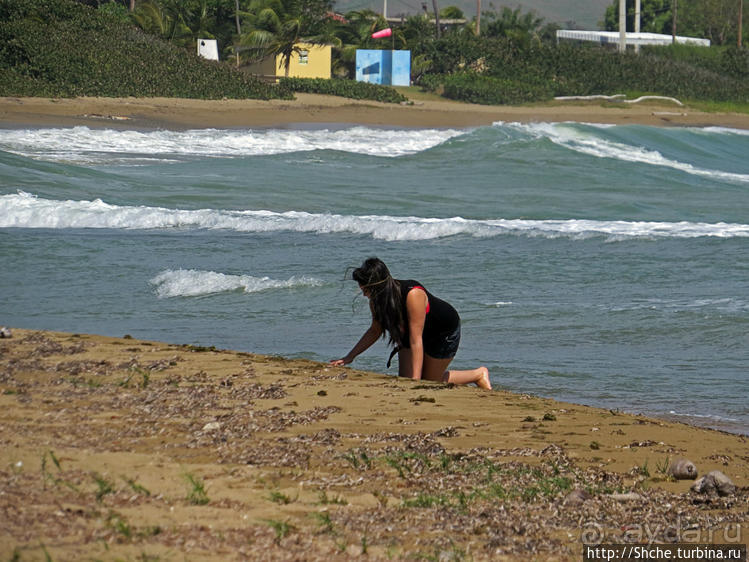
point(511, 23)
point(175, 20)
point(357, 34)
point(277, 28)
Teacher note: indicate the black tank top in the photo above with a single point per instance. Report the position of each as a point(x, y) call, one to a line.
point(441, 320)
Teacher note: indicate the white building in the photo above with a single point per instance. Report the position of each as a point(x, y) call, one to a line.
point(633, 38)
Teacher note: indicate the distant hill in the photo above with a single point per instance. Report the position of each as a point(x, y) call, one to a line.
point(576, 14)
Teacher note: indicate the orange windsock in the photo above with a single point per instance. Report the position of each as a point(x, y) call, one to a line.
point(387, 32)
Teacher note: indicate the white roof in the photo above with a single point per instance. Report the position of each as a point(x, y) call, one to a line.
point(612, 37)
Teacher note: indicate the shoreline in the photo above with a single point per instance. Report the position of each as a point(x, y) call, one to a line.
point(122, 447)
point(308, 109)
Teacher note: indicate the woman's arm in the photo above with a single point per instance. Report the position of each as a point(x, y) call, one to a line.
point(416, 307)
point(372, 334)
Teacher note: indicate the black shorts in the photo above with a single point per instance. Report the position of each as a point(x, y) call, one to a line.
point(444, 347)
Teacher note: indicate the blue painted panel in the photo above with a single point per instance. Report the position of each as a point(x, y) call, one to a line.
point(369, 66)
point(391, 68)
point(401, 74)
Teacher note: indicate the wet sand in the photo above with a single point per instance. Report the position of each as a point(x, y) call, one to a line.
point(114, 448)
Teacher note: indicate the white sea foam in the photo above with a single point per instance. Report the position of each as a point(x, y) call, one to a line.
point(193, 283)
point(573, 138)
point(724, 305)
point(23, 210)
point(84, 145)
point(726, 131)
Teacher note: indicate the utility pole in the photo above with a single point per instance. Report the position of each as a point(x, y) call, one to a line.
point(741, 21)
point(637, 23)
point(478, 17)
point(385, 10)
point(673, 20)
point(239, 25)
point(622, 26)
point(436, 17)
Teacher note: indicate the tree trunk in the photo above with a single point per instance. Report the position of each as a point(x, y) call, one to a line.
point(236, 17)
point(132, 5)
point(741, 18)
point(436, 17)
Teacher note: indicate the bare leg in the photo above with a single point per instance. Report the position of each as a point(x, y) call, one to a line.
point(404, 363)
point(479, 376)
point(436, 370)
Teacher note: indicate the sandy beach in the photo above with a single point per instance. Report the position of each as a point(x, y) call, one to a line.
point(114, 448)
point(120, 449)
point(151, 113)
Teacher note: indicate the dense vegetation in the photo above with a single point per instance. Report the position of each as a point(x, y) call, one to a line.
point(66, 48)
point(717, 20)
point(343, 88)
point(63, 48)
point(492, 70)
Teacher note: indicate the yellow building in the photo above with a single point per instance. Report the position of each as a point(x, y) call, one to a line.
point(310, 61)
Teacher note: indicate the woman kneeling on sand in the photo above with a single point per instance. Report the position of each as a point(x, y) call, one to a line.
point(423, 330)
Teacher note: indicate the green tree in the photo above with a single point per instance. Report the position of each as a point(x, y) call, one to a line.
point(716, 20)
point(276, 27)
point(356, 34)
point(655, 16)
point(511, 24)
point(178, 21)
point(451, 13)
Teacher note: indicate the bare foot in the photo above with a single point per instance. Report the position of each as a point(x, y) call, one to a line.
point(484, 381)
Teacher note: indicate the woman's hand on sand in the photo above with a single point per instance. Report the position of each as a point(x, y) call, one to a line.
point(340, 362)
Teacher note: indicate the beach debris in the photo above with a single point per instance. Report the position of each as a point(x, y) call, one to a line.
point(647, 98)
point(616, 98)
point(212, 426)
point(628, 497)
point(5, 332)
point(646, 443)
point(578, 496)
point(109, 117)
point(714, 482)
point(682, 469)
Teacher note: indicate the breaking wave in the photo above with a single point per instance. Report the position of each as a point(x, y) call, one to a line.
point(23, 210)
point(193, 283)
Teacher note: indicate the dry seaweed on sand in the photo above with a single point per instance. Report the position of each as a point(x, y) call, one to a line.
point(95, 446)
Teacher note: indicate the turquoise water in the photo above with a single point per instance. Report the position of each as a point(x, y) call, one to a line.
point(603, 265)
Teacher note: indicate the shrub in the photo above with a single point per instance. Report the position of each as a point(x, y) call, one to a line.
point(494, 70)
point(489, 90)
point(344, 88)
point(62, 48)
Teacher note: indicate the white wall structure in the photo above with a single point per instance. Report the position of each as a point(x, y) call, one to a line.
point(208, 49)
point(612, 38)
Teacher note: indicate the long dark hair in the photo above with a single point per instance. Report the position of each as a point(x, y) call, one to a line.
point(384, 296)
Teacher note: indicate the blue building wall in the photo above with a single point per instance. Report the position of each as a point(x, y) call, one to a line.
point(389, 68)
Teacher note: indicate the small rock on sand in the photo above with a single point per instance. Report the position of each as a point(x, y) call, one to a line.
point(682, 469)
point(714, 482)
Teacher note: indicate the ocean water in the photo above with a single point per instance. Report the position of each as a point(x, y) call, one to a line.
point(602, 265)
